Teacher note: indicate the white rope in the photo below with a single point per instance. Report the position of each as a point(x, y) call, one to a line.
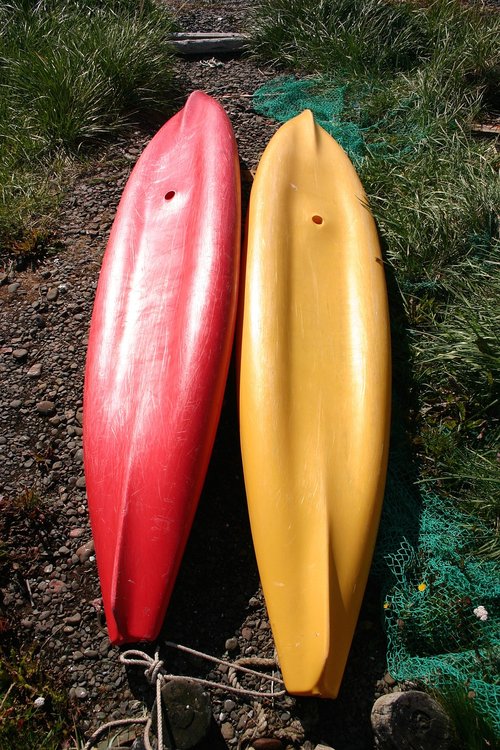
point(238, 665)
point(155, 674)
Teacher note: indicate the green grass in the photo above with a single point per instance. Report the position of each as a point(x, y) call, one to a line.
point(436, 211)
point(415, 76)
point(379, 39)
point(73, 73)
point(24, 685)
point(472, 729)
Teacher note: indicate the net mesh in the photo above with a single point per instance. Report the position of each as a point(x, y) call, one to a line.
point(440, 599)
point(286, 97)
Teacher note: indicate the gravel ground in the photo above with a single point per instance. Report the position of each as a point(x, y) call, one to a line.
point(48, 578)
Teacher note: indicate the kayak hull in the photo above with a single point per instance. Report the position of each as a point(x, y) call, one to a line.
point(314, 397)
point(158, 354)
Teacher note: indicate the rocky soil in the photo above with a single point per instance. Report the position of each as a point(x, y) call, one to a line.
point(49, 585)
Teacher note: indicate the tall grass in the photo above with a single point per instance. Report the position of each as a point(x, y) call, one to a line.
point(377, 37)
point(472, 729)
point(71, 73)
point(416, 76)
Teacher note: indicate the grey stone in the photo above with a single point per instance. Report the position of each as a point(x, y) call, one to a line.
point(410, 721)
point(188, 712)
point(20, 354)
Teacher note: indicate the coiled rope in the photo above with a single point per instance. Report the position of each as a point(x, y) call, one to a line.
point(156, 675)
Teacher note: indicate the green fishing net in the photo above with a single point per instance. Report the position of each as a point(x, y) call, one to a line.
point(440, 599)
point(393, 135)
point(286, 97)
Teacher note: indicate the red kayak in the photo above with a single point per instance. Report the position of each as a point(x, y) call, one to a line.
point(158, 355)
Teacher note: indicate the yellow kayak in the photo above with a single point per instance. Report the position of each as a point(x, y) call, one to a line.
point(314, 397)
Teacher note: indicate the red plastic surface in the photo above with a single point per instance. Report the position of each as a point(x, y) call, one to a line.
point(159, 349)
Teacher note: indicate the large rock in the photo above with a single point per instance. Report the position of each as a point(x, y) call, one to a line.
point(410, 721)
point(187, 713)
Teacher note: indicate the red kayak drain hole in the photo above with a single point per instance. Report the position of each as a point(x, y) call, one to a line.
point(169, 195)
point(317, 219)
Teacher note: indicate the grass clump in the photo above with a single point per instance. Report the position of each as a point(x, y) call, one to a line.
point(32, 706)
point(472, 730)
point(72, 73)
point(352, 36)
point(378, 38)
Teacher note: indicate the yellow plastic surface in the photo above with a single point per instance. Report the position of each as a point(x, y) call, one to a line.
point(314, 397)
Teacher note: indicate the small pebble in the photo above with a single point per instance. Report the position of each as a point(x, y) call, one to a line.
point(227, 730)
point(46, 408)
point(35, 370)
point(85, 551)
point(52, 294)
point(73, 619)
